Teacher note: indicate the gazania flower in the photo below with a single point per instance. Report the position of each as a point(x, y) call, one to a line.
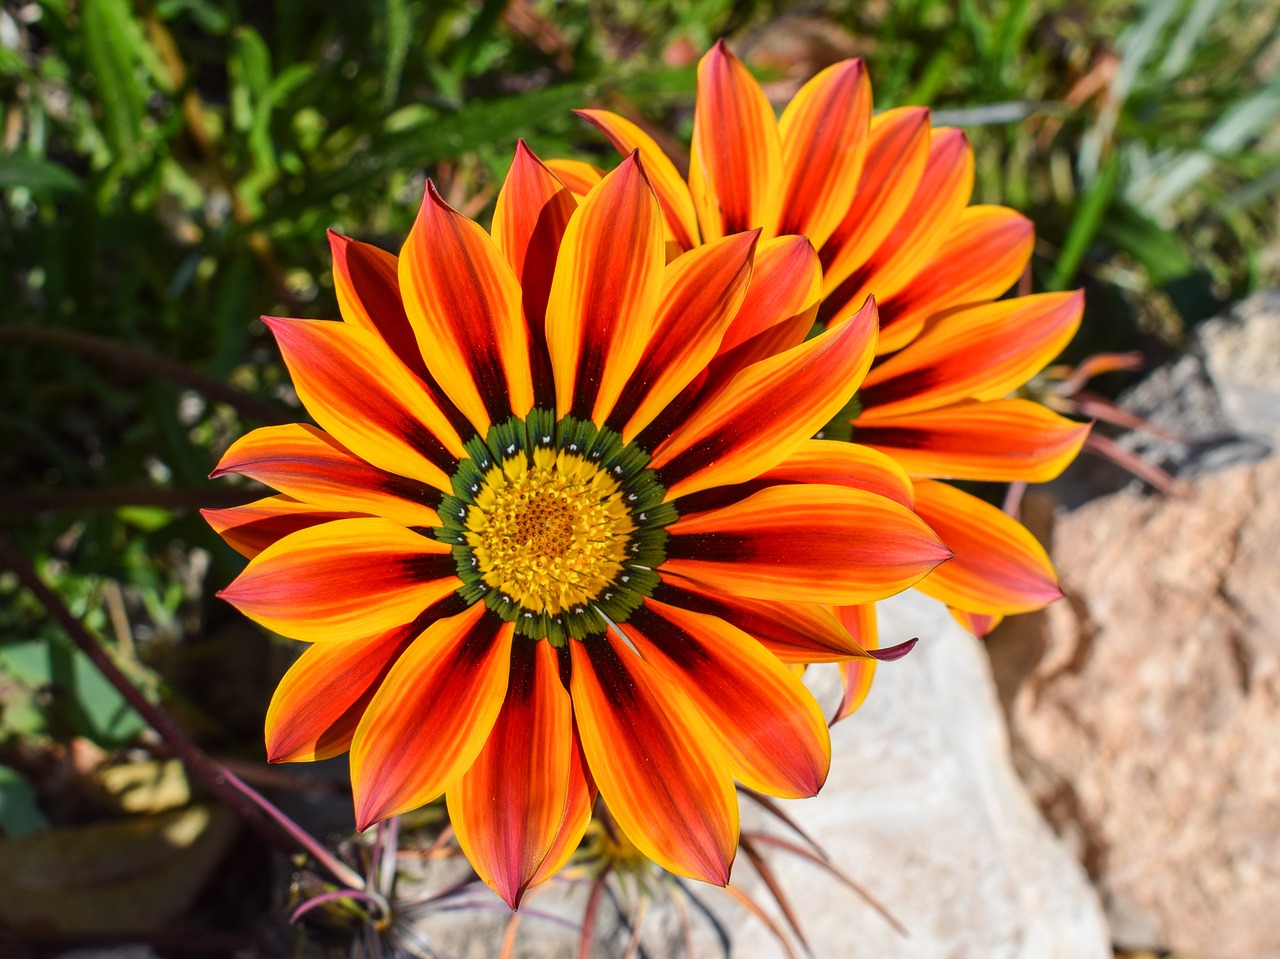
point(885, 200)
point(562, 526)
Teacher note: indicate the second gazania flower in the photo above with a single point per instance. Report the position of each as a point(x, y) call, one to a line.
point(563, 527)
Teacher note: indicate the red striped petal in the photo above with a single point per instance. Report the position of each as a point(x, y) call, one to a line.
point(319, 702)
point(844, 464)
point(251, 528)
point(736, 166)
point(309, 465)
point(367, 400)
point(770, 727)
point(857, 675)
point(660, 768)
point(464, 303)
point(824, 132)
point(767, 410)
point(701, 292)
point(805, 543)
point(984, 353)
point(366, 283)
point(673, 194)
point(577, 815)
point(998, 440)
point(431, 715)
point(509, 806)
point(988, 249)
point(794, 632)
point(779, 309)
point(828, 462)
point(999, 567)
point(348, 578)
point(897, 152)
point(607, 287)
point(941, 195)
point(529, 221)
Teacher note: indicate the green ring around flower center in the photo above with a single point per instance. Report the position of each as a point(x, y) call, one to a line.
point(556, 525)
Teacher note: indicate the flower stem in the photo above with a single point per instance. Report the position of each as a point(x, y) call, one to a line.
point(251, 806)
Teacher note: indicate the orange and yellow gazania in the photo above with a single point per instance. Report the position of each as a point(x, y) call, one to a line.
point(885, 200)
point(562, 525)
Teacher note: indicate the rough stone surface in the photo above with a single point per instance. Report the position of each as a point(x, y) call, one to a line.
point(1218, 405)
point(922, 807)
point(1148, 728)
point(1145, 708)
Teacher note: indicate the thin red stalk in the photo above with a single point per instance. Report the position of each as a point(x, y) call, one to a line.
point(252, 807)
point(142, 361)
point(25, 502)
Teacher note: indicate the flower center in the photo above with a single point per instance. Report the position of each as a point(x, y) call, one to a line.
point(556, 525)
point(551, 534)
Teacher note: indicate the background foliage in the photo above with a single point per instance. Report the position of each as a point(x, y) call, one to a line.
point(169, 168)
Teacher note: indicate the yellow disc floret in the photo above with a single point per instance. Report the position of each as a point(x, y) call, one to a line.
point(550, 534)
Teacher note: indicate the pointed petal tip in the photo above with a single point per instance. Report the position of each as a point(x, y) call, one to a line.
point(891, 654)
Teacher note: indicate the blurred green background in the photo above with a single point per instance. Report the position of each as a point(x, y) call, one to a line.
point(169, 169)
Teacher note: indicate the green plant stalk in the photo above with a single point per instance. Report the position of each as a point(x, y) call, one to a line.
point(255, 809)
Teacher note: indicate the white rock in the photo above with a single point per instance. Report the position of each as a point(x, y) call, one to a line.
point(924, 809)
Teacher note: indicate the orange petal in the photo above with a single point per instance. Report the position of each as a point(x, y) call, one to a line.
point(844, 464)
point(736, 167)
point(367, 400)
point(673, 194)
point(319, 702)
point(793, 632)
point(941, 195)
point(988, 249)
point(431, 715)
point(999, 567)
point(348, 578)
point(701, 292)
point(897, 152)
point(998, 440)
point(770, 727)
point(781, 304)
point(607, 286)
point(309, 465)
point(659, 767)
point(980, 624)
point(368, 290)
point(824, 132)
point(578, 176)
point(251, 528)
point(464, 303)
point(577, 815)
point(815, 461)
point(857, 674)
point(767, 410)
point(805, 543)
point(529, 221)
point(508, 807)
point(983, 352)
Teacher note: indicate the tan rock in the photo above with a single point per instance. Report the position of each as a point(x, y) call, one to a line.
point(1149, 728)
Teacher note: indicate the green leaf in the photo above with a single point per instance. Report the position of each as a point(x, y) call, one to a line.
point(86, 699)
point(146, 518)
point(37, 174)
point(1084, 227)
point(1161, 251)
point(112, 39)
point(19, 814)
